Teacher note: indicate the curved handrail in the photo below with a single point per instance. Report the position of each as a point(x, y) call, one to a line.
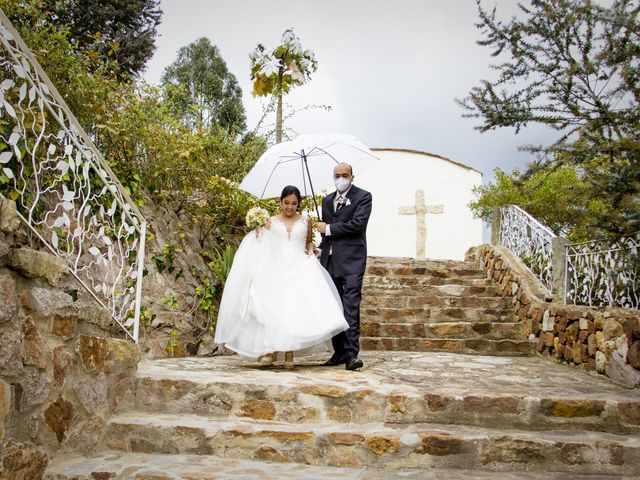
point(64, 190)
point(530, 240)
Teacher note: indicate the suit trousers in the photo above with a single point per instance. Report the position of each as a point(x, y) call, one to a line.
point(349, 287)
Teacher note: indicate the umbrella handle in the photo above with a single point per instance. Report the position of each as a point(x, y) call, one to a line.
point(313, 195)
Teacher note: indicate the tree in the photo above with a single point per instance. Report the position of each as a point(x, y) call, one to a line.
point(153, 153)
point(558, 198)
point(203, 91)
point(574, 66)
point(88, 84)
point(123, 31)
point(277, 72)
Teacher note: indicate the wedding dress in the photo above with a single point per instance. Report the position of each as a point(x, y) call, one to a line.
point(276, 297)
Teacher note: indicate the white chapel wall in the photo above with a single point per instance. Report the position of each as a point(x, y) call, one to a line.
point(393, 182)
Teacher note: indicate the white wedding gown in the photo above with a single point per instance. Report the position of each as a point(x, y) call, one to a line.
point(277, 298)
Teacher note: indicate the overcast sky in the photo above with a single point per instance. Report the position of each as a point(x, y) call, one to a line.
point(390, 69)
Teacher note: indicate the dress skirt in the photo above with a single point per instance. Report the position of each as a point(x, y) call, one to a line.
point(277, 299)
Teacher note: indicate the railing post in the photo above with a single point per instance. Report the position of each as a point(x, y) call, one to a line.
point(495, 226)
point(559, 268)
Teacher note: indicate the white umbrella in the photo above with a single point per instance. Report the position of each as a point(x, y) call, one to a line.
point(306, 162)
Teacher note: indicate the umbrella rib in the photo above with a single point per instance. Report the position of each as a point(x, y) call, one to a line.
point(311, 153)
point(266, 184)
point(288, 159)
point(326, 153)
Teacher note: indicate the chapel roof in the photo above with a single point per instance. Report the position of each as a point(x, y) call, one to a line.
point(419, 152)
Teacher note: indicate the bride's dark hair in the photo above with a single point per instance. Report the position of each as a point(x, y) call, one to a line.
point(288, 190)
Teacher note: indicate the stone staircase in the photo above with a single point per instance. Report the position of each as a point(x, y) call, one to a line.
point(446, 413)
point(406, 415)
point(421, 305)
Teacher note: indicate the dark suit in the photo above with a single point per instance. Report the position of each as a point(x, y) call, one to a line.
point(348, 260)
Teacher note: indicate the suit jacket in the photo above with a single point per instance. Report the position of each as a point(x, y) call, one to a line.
point(348, 240)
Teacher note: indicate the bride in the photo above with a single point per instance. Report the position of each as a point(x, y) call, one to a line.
point(277, 297)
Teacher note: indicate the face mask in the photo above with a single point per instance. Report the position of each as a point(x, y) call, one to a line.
point(342, 184)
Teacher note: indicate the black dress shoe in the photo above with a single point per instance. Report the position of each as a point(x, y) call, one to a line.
point(353, 363)
point(334, 360)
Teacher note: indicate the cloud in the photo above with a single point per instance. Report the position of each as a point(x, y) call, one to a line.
point(389, 70)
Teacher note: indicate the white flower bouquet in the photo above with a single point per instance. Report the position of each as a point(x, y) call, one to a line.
point(257, 217)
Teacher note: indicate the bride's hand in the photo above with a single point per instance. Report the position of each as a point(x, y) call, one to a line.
point(310, 248)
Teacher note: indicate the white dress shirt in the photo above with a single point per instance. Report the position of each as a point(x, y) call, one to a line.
point(335, 207)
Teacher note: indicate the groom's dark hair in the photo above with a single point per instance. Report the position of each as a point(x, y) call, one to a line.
point(288, 190)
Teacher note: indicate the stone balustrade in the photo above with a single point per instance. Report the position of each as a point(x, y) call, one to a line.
point(62, 375)
point(602, 339)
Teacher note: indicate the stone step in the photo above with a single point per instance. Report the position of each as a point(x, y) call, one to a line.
point(428, 314)
point(120, 465)
point(420, 280)
point(377, 445)
point(380, 287)
point(488, 330)
point(385, 270)
point(439, 300)
point(394, 262)
point(477, 346)
point(412, 260)
point(398, 388)
point(117, 465)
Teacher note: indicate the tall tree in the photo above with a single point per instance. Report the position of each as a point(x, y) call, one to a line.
point(120, 30)
point(574, 66)
point(558, 198)
point(203, 90)
point(275, 73)
point(88, 84)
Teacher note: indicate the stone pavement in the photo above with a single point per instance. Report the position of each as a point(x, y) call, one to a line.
point(405, 415)
point(141, 466)
point(437, 387)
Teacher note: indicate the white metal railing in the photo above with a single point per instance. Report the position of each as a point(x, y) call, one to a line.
point(65, 191)
point(603, 274)
point(530, 240)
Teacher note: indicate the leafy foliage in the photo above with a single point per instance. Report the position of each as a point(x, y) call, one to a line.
point(203, 92)
point(558, 198)
point(123, 32)
point(221, 262)
point(159, 155)
point(572, 65)
point(276, 72)
point(173, 343)
point(164, 260)
point(89, 85)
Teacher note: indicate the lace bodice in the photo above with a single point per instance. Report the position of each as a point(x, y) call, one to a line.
point(296, 239)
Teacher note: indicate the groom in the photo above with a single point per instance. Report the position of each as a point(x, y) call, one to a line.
point(344, 255)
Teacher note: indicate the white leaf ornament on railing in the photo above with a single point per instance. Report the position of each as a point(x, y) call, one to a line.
point(63, 187)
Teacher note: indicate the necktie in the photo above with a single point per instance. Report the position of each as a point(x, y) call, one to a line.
point(340, 202)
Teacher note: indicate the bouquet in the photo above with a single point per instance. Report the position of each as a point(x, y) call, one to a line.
point(257, 217)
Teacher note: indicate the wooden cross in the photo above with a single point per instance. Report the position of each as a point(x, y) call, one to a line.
point(420, 210)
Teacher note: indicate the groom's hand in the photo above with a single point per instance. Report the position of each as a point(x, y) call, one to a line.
point(321, 227)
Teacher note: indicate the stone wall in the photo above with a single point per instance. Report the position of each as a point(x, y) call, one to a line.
point(183, 273)
point(62, 371)
point(606, 340)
